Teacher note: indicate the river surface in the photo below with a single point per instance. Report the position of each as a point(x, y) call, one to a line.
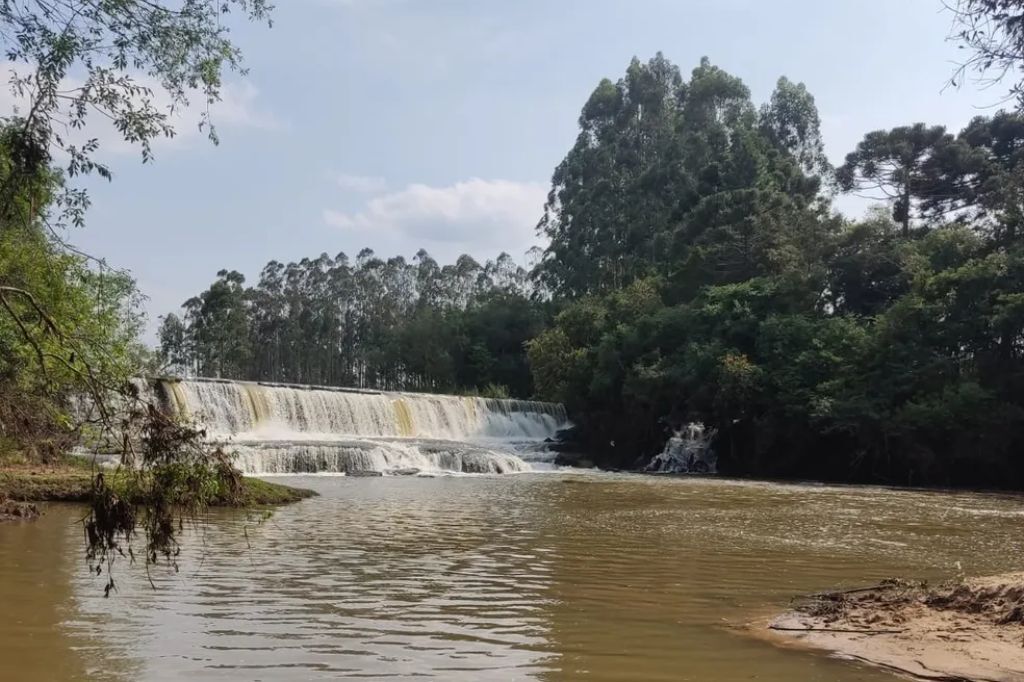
point(553, 576)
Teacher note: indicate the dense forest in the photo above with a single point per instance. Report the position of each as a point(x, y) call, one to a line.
point(372, 323)
point(703, 276)
point(696, 270)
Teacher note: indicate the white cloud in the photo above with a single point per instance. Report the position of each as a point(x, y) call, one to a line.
point(363, 184)
point(473, 215)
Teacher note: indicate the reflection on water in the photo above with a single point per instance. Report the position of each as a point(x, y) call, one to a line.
point(529, 577)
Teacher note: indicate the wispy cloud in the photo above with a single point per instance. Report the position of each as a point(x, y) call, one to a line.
point(363, 184)
point(473, 215)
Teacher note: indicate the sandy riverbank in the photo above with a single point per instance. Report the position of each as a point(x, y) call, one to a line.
point(971, 630)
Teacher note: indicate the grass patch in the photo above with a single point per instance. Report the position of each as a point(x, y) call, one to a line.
point(45, 484)
point(70, 480)
point(260, 493)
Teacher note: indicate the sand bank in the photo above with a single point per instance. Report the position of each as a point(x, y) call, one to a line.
point(969, 630)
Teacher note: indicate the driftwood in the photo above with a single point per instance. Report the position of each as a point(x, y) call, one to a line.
point(781, 628)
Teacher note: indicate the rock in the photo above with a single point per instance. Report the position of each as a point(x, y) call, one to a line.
point(573, 459)
point(365, 473)
point(569, 434)
point(408, 471)
point(17, 511)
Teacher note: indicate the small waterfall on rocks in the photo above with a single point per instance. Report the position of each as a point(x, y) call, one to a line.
point(278, 428)
point(688, 451)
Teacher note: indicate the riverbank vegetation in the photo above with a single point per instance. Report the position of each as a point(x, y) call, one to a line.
point(69, 323)
point(71, 479)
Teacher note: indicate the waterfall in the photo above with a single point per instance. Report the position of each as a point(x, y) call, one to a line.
point(688, 451)
point(278, 428)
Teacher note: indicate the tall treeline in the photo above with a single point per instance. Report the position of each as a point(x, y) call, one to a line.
point(701, 274)
point(373, 323)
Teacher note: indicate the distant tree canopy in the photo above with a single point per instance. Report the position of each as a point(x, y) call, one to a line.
point(373, 323)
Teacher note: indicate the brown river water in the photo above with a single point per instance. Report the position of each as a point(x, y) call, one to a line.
point(547, 576)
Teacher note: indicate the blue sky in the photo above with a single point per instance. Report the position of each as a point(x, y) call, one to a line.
point(397, 124)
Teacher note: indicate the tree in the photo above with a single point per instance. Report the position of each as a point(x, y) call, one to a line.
point(131, 63)
point(385, 324)
point(616, 187)
point(868, 269)
point(218, 325)
point(977, 178)
point(61, 324)
point(174, 350)
point(813, 345)
point(889, 165)
point(790, 120)
point(679, 179)
point(993, 31)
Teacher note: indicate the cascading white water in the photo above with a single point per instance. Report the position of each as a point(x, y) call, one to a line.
point(291, 429)
point(688, 451)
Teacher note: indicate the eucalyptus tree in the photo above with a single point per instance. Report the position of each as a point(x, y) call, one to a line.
point(613, 192)
point(680, 179)
point(385, 324)
point(218, 323)
point(791, 122)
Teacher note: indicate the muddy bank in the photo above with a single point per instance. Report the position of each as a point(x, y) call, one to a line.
point(971, 630)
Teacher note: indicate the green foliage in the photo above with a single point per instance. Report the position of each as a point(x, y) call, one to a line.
point(134, 63)
point(682, 180)
point(993, 31)
point(891, 165)
point(495, 391)
point(556, 365)
point(889, 349)
point(390, 325)
point(68, 329)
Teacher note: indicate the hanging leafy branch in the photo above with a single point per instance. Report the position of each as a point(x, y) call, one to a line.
point(993, 32)
point(67, 331)
point(128, 64)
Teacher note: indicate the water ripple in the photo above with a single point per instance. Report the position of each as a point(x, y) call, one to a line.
point(532, 577)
